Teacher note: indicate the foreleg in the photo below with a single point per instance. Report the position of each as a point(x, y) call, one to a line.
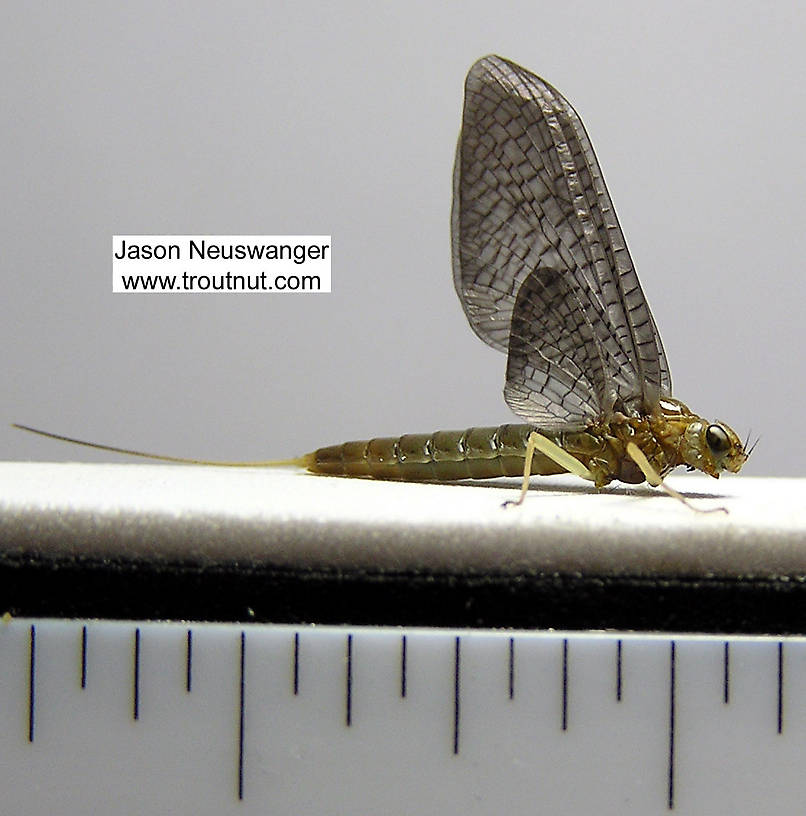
point(654, 478)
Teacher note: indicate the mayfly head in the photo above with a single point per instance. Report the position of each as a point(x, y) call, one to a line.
point(713, 447)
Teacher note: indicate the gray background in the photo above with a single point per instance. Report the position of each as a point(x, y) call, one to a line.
point(304, 118)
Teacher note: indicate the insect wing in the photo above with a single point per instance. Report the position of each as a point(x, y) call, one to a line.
point(554, 354)
point(529, 195)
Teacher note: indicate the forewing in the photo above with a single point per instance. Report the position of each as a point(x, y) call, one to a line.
point(529, 194)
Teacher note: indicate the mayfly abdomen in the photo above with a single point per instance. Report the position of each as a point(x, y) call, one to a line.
point(476, 453)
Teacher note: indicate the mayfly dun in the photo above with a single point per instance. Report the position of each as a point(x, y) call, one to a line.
point(543, 273)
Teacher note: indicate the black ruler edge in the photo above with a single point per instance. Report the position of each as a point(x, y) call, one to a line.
point(38, 586)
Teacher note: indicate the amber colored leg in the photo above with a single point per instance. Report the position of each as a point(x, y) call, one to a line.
point(538, 442)
point(653, 477)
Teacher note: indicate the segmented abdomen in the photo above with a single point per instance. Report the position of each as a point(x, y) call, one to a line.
point(477, 453)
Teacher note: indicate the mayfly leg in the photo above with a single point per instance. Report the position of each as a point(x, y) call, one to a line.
point(654, 479)
point(544, 445)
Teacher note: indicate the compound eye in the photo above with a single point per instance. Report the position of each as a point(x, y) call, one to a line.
point(717, 439)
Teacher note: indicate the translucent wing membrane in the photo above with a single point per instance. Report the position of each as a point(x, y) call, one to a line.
point(540, 262)
point(553, 352)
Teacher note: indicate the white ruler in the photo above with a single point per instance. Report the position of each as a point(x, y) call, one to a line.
point(127, 717)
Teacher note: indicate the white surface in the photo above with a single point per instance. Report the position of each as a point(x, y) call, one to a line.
point(289, 517)
point(181, 756)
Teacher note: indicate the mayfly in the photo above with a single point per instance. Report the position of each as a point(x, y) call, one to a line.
point(543, 273)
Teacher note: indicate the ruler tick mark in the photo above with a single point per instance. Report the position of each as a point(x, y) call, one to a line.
point(296, 663)
point(511, 668)
point(403, 656)
point(31, 683)
point(83, 657)
point(565, 685)
point(241, 712)
point(618, 670)
point(456, 688)
point(189, 662)
point(671, 723)
point(136, 682)
point(780, 686)
point(349, 702)
point(726, 674)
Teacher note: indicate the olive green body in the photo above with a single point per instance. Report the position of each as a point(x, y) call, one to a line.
point(672, 435)
point(476, 453)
